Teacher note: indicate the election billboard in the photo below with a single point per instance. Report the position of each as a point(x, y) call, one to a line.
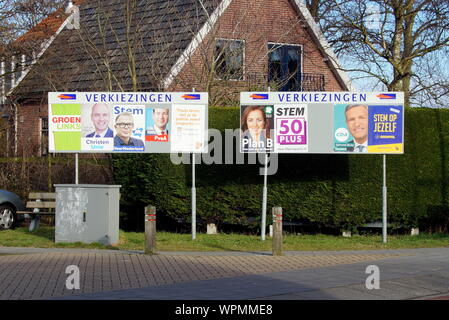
point(128, 122)
point(322, 122)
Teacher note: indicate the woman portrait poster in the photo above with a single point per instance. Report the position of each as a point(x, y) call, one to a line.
point(256, 123)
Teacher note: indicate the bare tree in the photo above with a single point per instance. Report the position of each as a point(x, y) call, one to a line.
point(19, 16)
point(141, 45)
point(131, 34)
point(234, 59)
point(389, 40)
point(137, 45)
point(17, 49)
point(319, 9)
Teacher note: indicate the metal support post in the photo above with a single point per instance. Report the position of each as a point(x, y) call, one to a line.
point(384, 201)
point(264, 200)
point(193, 199)
point(76, 169)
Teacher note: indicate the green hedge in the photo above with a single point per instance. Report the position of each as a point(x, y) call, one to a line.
point(339, 191)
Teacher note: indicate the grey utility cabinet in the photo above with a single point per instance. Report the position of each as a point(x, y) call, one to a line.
point(87, 213)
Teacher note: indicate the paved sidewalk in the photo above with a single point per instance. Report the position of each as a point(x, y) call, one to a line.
point(404, 274)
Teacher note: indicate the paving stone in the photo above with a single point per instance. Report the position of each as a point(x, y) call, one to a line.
point(118, 275)
point(43, 275)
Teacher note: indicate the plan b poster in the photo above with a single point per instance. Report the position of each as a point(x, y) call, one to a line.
point(257, 129)
point(273, 128)
point(120, 122)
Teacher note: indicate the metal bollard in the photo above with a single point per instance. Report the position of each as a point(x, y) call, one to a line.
point(150, 230)
point(277, 231)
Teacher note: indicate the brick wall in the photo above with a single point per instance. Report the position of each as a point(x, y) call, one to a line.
point(257, 22)
point(29, 128)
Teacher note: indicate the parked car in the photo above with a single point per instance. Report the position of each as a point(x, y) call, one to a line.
point(10, 203)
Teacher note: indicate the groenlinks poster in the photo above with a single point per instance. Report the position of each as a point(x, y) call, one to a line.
point(128, 122)
point(322, 122)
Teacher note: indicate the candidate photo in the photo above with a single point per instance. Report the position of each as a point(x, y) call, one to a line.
point(100, 117)
point(157, 124)
point(124, 126)
point(255, 130)
point(356, 116)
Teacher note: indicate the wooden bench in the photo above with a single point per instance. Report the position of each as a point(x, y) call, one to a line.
point(40, 203)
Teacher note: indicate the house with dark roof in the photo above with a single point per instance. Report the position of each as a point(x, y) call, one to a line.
point(219, 46)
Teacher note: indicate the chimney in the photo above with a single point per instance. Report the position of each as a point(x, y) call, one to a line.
point(13, 71)
point(68, 10)
point(74, 12)
point(23, 62)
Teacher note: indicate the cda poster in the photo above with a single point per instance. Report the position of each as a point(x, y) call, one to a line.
point(127, 122)
point(365, 128)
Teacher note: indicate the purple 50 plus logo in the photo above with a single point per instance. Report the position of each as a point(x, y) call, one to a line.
point(291, 131)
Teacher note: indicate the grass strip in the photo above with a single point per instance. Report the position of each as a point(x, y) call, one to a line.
point(166, 241)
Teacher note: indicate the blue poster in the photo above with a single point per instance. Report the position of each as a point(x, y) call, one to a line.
point(385, 127)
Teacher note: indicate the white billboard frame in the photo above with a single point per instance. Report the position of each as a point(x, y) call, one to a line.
point(128, 122)
point(316, 118)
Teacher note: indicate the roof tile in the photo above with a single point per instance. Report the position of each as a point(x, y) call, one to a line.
point(75, 61)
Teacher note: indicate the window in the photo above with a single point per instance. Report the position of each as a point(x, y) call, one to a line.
point(284, 66)
point(44, 136)
point(228, 57)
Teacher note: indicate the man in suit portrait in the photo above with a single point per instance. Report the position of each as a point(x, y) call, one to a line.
point(100, 117)
point(357, 123)
point(160, 118)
